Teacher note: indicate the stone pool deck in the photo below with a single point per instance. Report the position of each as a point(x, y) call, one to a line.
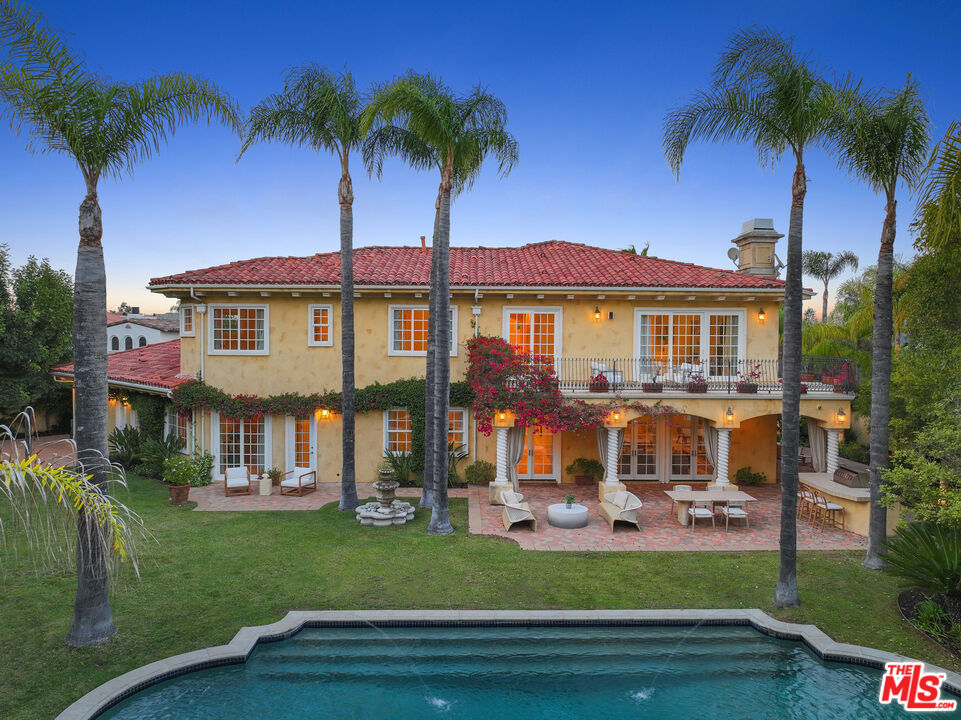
point(660, 530)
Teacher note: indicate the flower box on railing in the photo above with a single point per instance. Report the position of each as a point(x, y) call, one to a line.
point(599, 384)
point(807, 377)
point(829, 379)
point(843, 386)
point(651, 387)
point(746, 387)
point(697, 386)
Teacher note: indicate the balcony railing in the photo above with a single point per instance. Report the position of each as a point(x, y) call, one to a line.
point(611, 375)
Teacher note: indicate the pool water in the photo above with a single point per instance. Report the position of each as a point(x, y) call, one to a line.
point(531, 673)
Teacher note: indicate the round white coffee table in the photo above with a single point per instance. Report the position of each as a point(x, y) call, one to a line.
point(567, 516)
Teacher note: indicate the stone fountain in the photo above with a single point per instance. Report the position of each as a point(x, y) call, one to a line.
point(387, 510)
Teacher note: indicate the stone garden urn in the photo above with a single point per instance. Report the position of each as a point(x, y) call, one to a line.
point(386, 491)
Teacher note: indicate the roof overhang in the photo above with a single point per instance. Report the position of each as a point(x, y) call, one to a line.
point(250, 287)
point(62, 376)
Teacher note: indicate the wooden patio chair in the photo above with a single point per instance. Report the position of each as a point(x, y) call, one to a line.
point(302, 482)
point(827, 511)
point(805, 502)
point(674, 502)
point(701, 509)
point(236, 481)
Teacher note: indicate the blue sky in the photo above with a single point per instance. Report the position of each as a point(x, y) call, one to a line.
point(586, 87)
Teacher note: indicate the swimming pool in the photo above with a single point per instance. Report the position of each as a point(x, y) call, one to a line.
point(534, 673)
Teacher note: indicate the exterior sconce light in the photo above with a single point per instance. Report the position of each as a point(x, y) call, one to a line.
point(729, 415)
point(597, 314)
point(842, 416)
point(502, 416)
point(761, 315)
point(617, 416)
point(325, 413)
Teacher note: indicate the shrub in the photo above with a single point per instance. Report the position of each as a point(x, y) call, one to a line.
point(928, 556)
point(400, 463)
point(455, 453)
point(126, 446)
point(179, 470)
point(855, 451)
point(745, 476)
point(584, 466)
point(205, 464)
point(931, 618)
point(480, 472)
point(155, 452)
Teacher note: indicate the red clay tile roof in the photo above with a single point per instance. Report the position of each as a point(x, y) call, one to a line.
point(156, 365)
point(114, 318)
point(547, 264)
point(163, 324)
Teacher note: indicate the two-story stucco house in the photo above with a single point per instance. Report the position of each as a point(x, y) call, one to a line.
point(618, 326)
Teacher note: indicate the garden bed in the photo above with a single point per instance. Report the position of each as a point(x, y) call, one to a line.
point(908, 603)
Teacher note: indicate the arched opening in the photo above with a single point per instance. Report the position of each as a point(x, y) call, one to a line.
point(114, 343)
point(142, 341)
point(128, 343)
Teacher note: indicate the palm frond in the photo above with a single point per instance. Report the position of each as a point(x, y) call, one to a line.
point(27, 42)
point(938, 217)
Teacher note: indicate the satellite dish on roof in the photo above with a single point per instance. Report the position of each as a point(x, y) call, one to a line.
point(734, 254)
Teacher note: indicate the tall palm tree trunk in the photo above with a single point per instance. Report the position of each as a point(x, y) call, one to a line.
point(824, 304)
point(786, 591)
point(348, 484)
point(427, 496)
point(440, 514)
point(92, 617)
point(881, 384)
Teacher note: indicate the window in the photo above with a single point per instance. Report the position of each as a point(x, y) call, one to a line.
point(142, 341)
point(398, 429)
point(408, 330)
point(302, 442)
point(319, 329)
point(457, 429)
point(688, 451)
point(182, 425)
point(187, 321)
point(242, 443)
point(128, 343)
point(708, 342)
point(239, 330)
point(114, 343)
point(535, 331)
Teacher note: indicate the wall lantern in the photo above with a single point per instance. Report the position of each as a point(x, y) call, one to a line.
point(729, 415)
point(617, 416)
point(761, 315)
point(842, 416)
point(597, 314)
point(325, 413)
point(502, 416)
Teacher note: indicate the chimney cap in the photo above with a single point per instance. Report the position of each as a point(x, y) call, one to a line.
point(760, 228)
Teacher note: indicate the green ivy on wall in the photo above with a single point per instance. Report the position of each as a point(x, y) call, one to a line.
point(151, 410)
point(408, 393)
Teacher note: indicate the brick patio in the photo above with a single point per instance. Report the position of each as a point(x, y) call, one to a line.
point(660, 529)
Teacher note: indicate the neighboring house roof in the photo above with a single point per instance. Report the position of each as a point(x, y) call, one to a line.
point(167, 325)
point(114, 318)
point(151, 366)
point(546, 264)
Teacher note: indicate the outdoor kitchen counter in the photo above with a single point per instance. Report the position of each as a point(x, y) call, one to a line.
point(855, 501)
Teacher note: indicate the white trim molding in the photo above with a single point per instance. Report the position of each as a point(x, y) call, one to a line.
point(311, 326)
point(417, 353)
point(211, 326)
point(185, 312)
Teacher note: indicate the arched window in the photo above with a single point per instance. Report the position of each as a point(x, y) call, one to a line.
point(114, 343)
point(128, 343)
point(142, 341)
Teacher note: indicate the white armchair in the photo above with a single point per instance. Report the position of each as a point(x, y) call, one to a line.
point(298, 481)
point(236, 481)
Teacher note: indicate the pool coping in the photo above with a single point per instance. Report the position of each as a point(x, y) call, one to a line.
point(105, 696)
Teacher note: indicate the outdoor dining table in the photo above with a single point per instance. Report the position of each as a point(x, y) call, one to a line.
point(684, 498)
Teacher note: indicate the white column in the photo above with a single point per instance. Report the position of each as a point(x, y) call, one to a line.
point(832, 451)
point(613, 455)
point(723, 452)
point(501, 477)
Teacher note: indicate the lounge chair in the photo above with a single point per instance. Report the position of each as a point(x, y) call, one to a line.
point(701, 509)
point(301, 482)
point(516, 511)
point(236, 481)
point(621, 506)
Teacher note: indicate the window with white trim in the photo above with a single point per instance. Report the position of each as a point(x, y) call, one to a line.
point(187, 321)
point(242, 443)
point(182, 426)
point(533, 330)
point(407, 329)
point(239, 330)
point(398, 430)
point(319, 325)
point(703, 341)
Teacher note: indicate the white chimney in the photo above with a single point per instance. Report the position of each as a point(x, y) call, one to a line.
point(755, 247)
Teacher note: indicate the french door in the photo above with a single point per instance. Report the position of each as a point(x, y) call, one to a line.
point(540, 459)
point(676, 343)
point(301, 443)
point(665, 449)
point(534, 331)
point(639, 450)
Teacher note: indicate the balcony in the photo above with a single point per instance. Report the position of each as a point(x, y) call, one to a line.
point(819, 374)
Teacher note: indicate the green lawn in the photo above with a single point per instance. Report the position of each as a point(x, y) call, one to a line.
point(205, 575)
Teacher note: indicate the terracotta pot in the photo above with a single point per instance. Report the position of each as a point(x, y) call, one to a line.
point(274, 482)
point(583, 480)
point(179, 494)
point(697, 387)
point(745, 387)
point(651, 387)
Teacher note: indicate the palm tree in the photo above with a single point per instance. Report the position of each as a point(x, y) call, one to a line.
point(884, 141)
point(323, 110)
point(106, 128)
point(26, 42)
point(825, 267)
point(939, 207)
point(766, 94)
point(420, 119)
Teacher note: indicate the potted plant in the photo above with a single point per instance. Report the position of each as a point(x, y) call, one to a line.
point(585, 471)
point(179, 473)
point(599, 384)
point(651, 387)
point(569, 500)
point(274, 474)
point(807, 377)
point(697, 384)
point(385, 471)
point(748, 382)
